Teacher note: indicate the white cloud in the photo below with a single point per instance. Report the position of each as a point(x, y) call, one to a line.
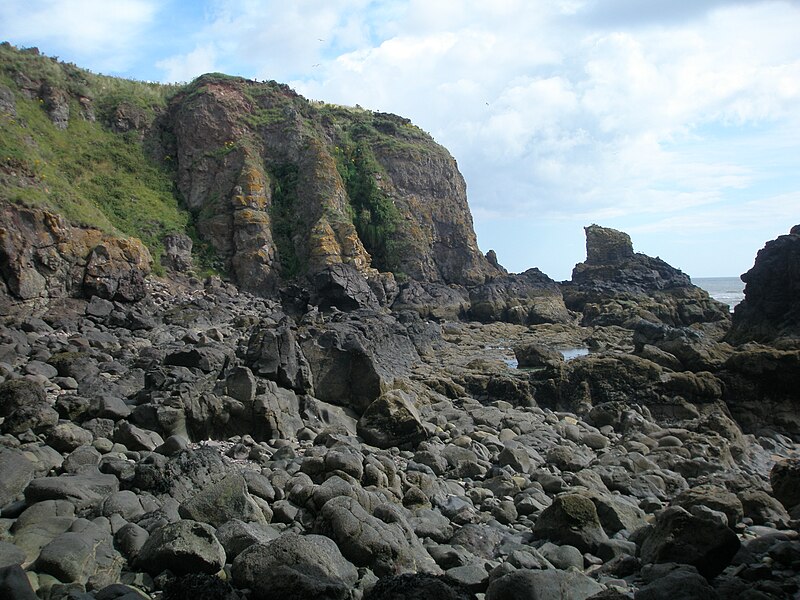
point(188, 66)
point(102, 34)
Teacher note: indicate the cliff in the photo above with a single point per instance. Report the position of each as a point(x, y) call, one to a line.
point(272, 187)
point(770, 309)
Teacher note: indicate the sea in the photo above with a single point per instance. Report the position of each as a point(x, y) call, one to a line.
point(729, 290)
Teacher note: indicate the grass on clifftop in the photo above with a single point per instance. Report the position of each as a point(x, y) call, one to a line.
point(87, 172)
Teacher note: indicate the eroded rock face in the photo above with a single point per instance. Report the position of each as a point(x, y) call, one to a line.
point(41, 255)
point(615, 285)
point(257, 164)
point(771, 305)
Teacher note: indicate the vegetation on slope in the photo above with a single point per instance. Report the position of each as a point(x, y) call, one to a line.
point(91, 174)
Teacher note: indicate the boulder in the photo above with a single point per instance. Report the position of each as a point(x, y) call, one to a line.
point(16, 472)
point(392, 420)
point(785, 480)
point(417, 586)
point(680, 537)
point(177, 254)
point(385, 546)
point(86, 489)
point(676, 584)
point(551, 584)
point(14, 584)
point(432, 300)
point(275, 354)
point(529, 298)
point(116, 270)
point(713, 497)
point(84, 554)
point(354, 361)
point(236, 536)
point(295, 567)
point(220, 502)
point(24, 405)
point(344, 287)
point(571, 519)
point(276, 414)
point(537, 355)
point(182, 547)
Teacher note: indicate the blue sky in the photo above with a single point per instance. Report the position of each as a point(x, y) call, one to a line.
point(677, 121)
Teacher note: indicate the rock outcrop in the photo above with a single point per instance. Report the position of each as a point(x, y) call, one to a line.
point(771, 305)
point(616, 285)
point(41, 255)
point(283, 187)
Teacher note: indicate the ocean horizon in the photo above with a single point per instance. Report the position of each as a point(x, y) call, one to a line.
point(729, 290)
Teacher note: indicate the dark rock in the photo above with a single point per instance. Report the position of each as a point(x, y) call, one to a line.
point(295, 567)
point(99, 307)
point(66, 437)
point(236, 536)
point(368, 541)
point(24, 405)
point(276, 414)
point(10, 555)
point(571, 519)
point(117, 271)
point(785, 481)
point(432, 300)
point(616, 285)
point(275, 354)
point(181, 475)
point(198, 586)
point(770, 308)
point(83, 554)
point(129, 540)
point(529, 298)
point(119, 591)
point(81, 366)
point(353, 362)
point(83, 490)
point(713, 497)
point(14, 584)
point(761, 386)
point(763, 508)
point(392, 420)
point(344, 287)
point(209, 359)
point(537, 355)
point(16, 472)
point(182, 547)
point(177, 254)
point(683, 538)
point(417, 586)
point(677, 584)
point(136, 438)
point(551, 584)
point(218, 503)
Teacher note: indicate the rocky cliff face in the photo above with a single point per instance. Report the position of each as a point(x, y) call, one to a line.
point(771, 306)
point(277, 188)
point(283, 187)
point(615, 285)
point(41, 255)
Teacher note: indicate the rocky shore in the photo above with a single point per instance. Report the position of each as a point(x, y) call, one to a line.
point(202, 442)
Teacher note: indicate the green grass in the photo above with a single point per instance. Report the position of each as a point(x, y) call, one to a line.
point(90, 174)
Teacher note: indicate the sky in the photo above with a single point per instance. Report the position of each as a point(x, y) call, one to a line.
point(677, 121)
